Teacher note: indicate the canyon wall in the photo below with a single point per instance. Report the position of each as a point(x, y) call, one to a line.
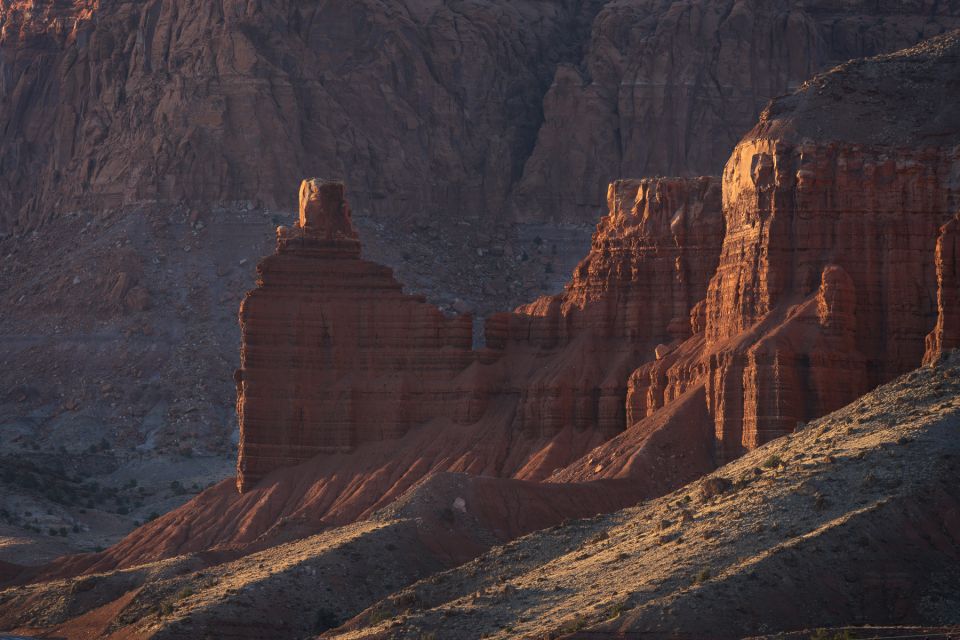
point(698, 327)
point(166, 135)
point(650, 262)
point(669, 88)
point(837, 262)
point(833, 206)
point(351, 393)
point(527, 109)
point(115, 103)
point(828, 280)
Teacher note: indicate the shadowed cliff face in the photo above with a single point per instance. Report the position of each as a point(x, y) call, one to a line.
point(430, 107)
point(435, 110)
point(668, 88)
point(350, 392)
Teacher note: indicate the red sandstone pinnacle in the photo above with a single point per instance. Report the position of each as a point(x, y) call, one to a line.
point(324, 210)
point(334, 354)
point(946, 333)
point(825, 286)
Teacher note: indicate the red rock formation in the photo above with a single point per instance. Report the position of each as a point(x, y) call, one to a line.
point(106, 104)
point(827, 281)
point(668, 87)
point(651, 260)
point(824, 286)
point(946, 334)
point(334, 354)
point(820, 195)
point(336, 361)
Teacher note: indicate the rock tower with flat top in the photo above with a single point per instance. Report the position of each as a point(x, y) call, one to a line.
point(333, 352)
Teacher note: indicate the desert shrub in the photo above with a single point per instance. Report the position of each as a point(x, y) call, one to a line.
point(572, 626)
point(713, 487)
point(772, 462)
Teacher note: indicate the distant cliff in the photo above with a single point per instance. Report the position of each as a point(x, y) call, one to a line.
point(443, 111)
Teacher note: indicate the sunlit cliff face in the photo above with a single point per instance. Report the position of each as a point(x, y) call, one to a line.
point(324, 209)
point(20, 18)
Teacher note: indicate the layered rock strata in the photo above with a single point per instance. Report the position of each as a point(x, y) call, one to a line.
point(651, 260)
point(431, 108)
point(834, 266)
point(334, 354)
point(350, 392)
point(669, 87)
point(837, 259)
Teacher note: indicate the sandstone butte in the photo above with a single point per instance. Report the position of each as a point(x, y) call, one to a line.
point(372, 390)
point(107, 104)
point(334, 354)
point(697, 328)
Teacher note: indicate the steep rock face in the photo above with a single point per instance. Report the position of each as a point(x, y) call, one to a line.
point(946, 334)
point(124, 102)
point(651, 260)
point(334, 354)
point(847, 197)
point(859, 221)
point(827, 283)
point(668, 87)
point(107, 104)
